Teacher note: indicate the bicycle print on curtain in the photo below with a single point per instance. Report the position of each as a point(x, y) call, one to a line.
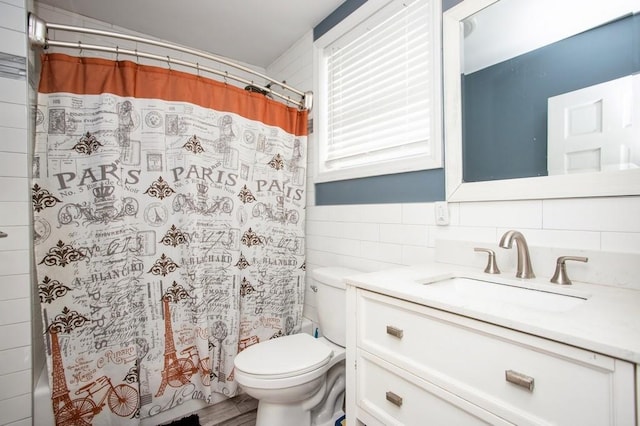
point(169, 233)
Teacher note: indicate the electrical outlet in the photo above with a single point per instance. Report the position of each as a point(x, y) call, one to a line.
point(442, 213)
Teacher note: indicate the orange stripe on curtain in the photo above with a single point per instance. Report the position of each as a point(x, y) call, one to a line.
point(92, 76)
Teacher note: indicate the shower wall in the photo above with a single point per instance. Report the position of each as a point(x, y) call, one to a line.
point(15, 218)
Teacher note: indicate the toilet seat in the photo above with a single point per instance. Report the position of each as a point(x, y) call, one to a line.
point(284, 357)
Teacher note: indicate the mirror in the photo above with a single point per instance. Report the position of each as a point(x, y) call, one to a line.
point(507, 64)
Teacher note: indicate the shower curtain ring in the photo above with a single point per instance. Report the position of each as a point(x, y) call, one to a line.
point(198, 68)
point(226, 73)
point(117, 53)
point(169, 62)
point(80, 48)
point(137, 56)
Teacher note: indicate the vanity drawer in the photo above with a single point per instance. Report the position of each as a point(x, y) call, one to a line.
point(392, 396)
point(472, 359)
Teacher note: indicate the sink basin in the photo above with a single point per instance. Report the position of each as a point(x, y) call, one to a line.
point(481, 293)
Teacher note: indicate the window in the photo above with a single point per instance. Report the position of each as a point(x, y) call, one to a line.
point(379, 92)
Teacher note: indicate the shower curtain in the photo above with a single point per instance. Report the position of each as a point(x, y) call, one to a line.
point(169, 233)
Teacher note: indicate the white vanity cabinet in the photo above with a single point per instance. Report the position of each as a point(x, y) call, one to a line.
point(408, 364)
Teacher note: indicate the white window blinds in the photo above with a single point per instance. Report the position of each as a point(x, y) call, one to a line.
point(381, 84)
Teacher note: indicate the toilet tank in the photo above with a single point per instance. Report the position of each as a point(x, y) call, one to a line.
point(331, 301)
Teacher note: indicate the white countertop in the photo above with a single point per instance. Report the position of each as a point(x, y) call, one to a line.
point(607, 322)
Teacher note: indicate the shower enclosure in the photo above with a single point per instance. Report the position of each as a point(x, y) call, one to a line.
point(169, 219)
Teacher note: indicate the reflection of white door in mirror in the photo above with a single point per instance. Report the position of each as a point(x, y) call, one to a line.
point(567, 185)
point(595, 129)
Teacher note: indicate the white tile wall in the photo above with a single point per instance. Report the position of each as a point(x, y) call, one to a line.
point(15, 384)
point(15, 311)
point(14, 287)
point(12, 17)
point(15, 266)
point(16, 359)
point(626, 242)
point(13, 115)
point(14, 164)
point(13, 91)
point(15, 262)
point(17, 239)
point(371, 237)
point(13, 188)
point(12, 41)
point(18, 3)
point(14, 213)
point(14, 409)
point(619, 214)
point(15, 335)
point(13, 139)
point(294, 66)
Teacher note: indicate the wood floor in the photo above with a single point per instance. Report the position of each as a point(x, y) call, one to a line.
point(237, 411)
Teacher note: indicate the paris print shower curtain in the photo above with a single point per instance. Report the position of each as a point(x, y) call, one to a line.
point(169, 233)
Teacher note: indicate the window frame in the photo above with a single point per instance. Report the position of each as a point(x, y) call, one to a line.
point(355, 22)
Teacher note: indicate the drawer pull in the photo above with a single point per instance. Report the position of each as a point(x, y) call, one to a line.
point(396, 332)
point(394, 399)
point(519, 379)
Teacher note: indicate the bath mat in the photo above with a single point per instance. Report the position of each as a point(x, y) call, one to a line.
point(191, 420)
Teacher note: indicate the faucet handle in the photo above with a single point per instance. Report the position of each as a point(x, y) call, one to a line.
point(492, 266)
point(560, 275)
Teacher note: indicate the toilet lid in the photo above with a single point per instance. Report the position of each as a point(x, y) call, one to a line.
point(284, 357)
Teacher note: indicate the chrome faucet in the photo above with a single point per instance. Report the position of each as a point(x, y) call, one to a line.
point(524, 261)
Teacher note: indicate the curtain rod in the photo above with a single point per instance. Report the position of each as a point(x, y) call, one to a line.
point(38, 37)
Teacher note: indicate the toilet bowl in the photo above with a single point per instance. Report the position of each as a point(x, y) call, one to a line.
point(299, 380)
point(288, 377)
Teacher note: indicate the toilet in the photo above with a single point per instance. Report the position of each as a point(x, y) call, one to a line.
point(299, 380)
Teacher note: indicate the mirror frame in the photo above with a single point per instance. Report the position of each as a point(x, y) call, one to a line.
point(616, 183)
